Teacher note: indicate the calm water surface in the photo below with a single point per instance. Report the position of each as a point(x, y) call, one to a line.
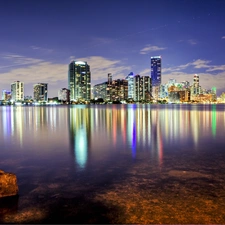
point(115, 163)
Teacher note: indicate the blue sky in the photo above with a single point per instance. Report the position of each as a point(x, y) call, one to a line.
point(38, 39)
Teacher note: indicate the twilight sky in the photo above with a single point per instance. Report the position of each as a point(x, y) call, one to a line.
point(38, 39)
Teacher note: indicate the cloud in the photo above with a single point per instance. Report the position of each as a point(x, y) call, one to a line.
point(206, 80)
point(196, 64)
point(40, 72)
point(35, 71)
point(216, 68)
point(189, 41)
point(19, 60)
point(145, 72)
point(101, 66)
point(199, 63)
point(192, 42)
point(151, 48)
point(223, 37)
point(47, 50)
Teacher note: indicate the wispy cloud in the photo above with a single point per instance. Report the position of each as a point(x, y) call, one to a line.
point(189, 41)
point(192, 42)
point(47, 50)
point(207, 79)
point(145, 72)
point(200, 63)
point(33, 70)
point(40, 72)
point(20, 60)
point(216, 68)
point(101, 66)
point(223, 37)
point(196, 64)
point(151, 48)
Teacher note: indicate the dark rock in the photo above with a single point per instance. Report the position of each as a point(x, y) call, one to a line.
point(8, 184)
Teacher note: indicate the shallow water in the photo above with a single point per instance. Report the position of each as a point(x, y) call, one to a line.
point(115, 163)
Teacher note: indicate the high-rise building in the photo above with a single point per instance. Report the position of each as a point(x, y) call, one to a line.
point(119, 90)
point(17, 91)
point(64, 95)
point(109, 87)
point(195, 88)
point(41, 92)
point(130, 79)
point(142, 88)
point(101, 91)
point(79, 81)
point(156, 71)
point(156, 76)
point(6, 95)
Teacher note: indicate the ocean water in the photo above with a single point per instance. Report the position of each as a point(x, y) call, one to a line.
point(114, 163)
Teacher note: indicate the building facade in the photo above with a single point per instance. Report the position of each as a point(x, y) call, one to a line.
point(156, 71)
point(130, 79)
point(6, 95)
point(64, 95)
point(101, 91)
point(79, 81)
point(108, 96)
point(156, 75)
point(119, 90)
point(142, 88)
point(41, 92)
point(17, 91)
point(195, 87)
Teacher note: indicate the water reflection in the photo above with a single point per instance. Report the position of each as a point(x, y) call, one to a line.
point(97, 131)
point(32, 126)
point(80, 134)
point(135, 128)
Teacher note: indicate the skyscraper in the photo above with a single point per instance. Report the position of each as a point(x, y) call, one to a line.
point(17, 91)
point(195, 88)
point(156, 75)
point(109, 87)
point(142, 88)
point(130, 79)
point(6, 95)
point(41, 92)
point(79, 81)
point(156, 70)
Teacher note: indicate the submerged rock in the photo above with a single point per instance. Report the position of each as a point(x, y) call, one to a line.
point(8, 184)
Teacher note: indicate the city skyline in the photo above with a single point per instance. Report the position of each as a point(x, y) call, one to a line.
point(39, 40)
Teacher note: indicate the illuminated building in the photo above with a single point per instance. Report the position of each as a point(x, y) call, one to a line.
point(162, 91)
point(130, 79)
point(156, 75)
point(119, 90)
point(156, 71)
point(142, 88)
point(213, 91)
point(64, 95)
point(6, 95)
point(136, 87)
point(101, 91)
point(79, 81)
point(186, 84)
point(195, 88)
point(109, 88)
point(179, 96)
point(41, 92)
point(112, 90)
point(17, 91)
point(146, 88)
